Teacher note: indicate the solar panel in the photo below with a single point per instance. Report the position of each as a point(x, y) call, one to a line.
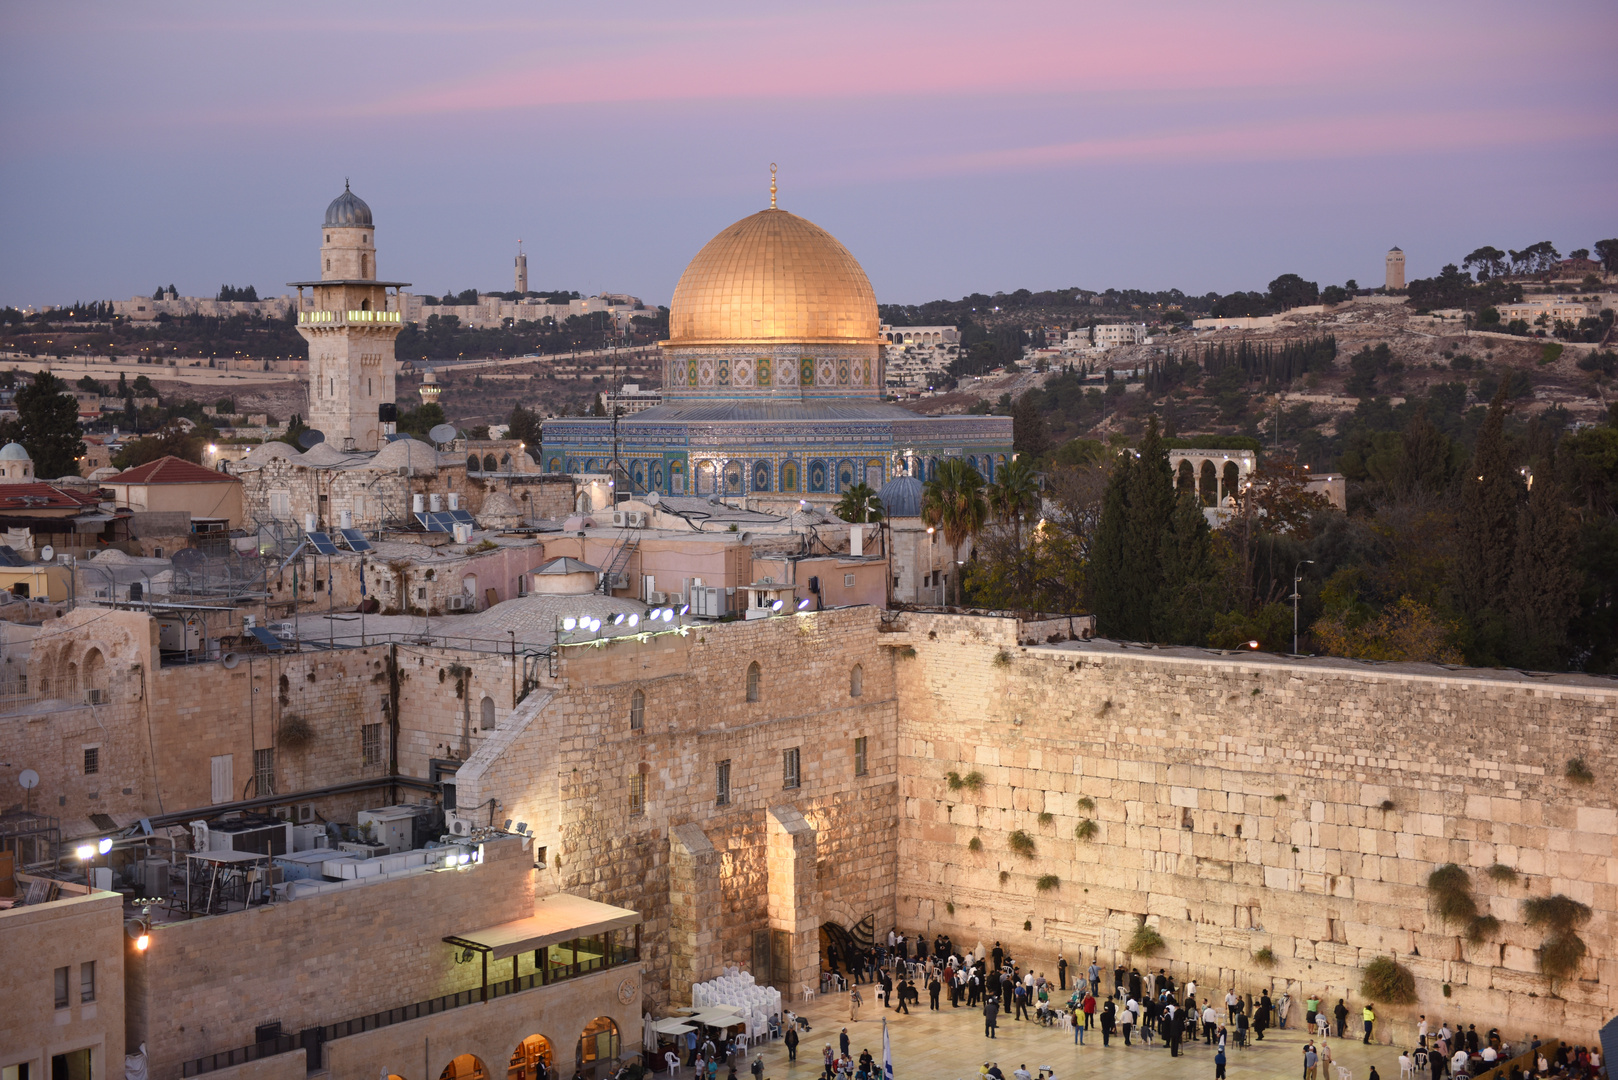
point(355, 539)
point(462, 516)
point(433, 522)
point(266, 639)
point(9, 556)
point(321, 543)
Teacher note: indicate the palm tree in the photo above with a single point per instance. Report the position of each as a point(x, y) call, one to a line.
point(859, 505)
point(953, 502)
point(1015, 494)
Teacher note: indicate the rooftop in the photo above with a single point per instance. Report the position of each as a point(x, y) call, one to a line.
point(171, 470)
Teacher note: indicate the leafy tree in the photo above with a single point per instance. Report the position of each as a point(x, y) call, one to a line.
point(423, 418)
point(1150, 560)
point(1014, 494)
point(1607, 253)
point(1487, 261)
point(859, 505)
point(47, 425)
point(953, 503)
point(1486, 536)
point(524, 426)
point(143, 387)
point(1290, 291)
point(1405, 631)
point(1544, 588)
point(295, 428)
point(1030, 435)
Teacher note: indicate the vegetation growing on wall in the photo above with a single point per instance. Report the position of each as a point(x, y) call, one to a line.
point(1387, 982)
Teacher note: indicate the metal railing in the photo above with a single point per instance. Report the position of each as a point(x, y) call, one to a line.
point(224, 1059)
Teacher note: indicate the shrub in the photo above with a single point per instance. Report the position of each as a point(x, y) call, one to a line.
point(1502, 873)
point(1579, 772)
point(1005, 876)
point(1482, 928)
point(1002, 659)
point(975, 844)
point(1389, 804)
point(907, 653)
point(1279, 798)
point(1087, 804)
point(1559, 914)
point(1046, 817)
point(1145, 941)
point(1387, 982)
point(1027, 924)
point(1452, 894)
point(1265, 957)
point(1021, 844)
point(950, 907)
point(1086, 830)
point(296, 732)
point(972, 781)
point(1047, 882)
point(1560, 956)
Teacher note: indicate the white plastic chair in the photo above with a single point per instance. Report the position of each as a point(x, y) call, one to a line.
point(1344, 1073)
point(808, 992)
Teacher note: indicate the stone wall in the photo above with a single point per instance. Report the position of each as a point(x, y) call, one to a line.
point(700, 873)
point(341, 955)
point(1246, 803)
point(78, 928)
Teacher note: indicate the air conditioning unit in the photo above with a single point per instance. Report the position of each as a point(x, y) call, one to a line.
point(65, 559)
point(708, 603)
point(458, 603)
point(676, 599)
point(655, 597)
point(95, 696)
point(636, 519)
point(620, 519)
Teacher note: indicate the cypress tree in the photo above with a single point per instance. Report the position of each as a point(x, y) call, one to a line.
point(1486, 537)
point(1544, 589)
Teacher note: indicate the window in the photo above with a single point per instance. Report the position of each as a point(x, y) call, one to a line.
point(637, 710)
point(62, 974)
point(370, 744)
point(752, 681)
point(789, 768)
point(861, 758)
point(87, 981)
point(92, 760)
point(637, 793)
point(486, 713)
point(848, 581)
point(280, 505)
point(73, 1065)
point(722, 784)
point(856, 681)
point(264, 771)
point(223, 776)
point(540, 856)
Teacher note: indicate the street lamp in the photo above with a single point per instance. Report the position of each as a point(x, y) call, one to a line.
point(1296, 579)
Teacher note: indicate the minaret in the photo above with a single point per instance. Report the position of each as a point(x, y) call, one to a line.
point(522, 272)
point(1396, 270)
point(350, 331)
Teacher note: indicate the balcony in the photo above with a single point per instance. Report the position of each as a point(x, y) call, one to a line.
point(346, 318)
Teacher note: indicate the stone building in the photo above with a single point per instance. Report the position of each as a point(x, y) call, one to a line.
point(1395, 277)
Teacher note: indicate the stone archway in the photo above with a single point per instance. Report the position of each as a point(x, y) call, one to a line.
point(530, 1053)
point(465, 1067)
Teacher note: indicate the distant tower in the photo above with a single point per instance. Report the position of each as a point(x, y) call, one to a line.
point(1396, 270)
point(522, 271)
point(350, 330)
point(429, 387)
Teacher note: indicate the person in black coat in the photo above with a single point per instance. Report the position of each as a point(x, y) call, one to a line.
point(1108, 1017)
point(991, 1015)
point(1261, 1016)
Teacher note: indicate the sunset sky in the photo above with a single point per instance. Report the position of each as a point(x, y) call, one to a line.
point(953, 147)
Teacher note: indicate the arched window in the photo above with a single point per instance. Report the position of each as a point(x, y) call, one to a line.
point(1233, 480)
point(1209, 484)
point(489, 464)
point(531, 1053)
point(637, 710)
point(856, 681)
point(486, 711)
point(598, 1043)
point(789, 476)
point(365, 305)
point(472, 463)
point(761, 476)
point(1186, 479)
point(465, 1067)
point(752, 681)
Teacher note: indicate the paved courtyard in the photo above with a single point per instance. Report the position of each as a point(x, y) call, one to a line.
point(949, 1044)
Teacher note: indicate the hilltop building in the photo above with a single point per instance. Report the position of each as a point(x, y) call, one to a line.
point(772, 383)
point(1395, 270)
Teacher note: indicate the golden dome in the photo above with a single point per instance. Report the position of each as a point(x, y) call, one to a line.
point(773, 277)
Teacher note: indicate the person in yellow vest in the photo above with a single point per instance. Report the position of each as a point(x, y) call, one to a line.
point(1370, 1019)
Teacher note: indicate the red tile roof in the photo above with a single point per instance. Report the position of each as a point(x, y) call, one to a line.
point(43, 497)
point(170, 470)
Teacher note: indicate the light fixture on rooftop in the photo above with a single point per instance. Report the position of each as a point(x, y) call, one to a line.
point(569, 623)
point(685, 609)
point(595, 624)
point(1250, 644)
point(142, 942)
point(668, 614)
point(776, 606)
point(618, 619)
point(104, 845)
point(85, 851)
point(634, 620)
point(803, 605)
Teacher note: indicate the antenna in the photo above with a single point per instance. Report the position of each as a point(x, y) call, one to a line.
point(442, 433)
point(29, 779)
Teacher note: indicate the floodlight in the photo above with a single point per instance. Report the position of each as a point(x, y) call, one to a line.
point(507, 826)
point(143, 941)
point(1250, 644)
point(464, 859)
point(776, 606)
point(618, 619)
point(685, 609)
point(569, 623)
point(449, 860)
point(595, 624)
point(803, 604)
point(634, 620)
point(104, 845)
point(85, 851)
point(522, 826)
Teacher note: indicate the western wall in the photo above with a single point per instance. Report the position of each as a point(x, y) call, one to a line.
point(1245, 802)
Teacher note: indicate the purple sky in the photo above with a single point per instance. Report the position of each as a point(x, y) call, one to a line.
point(952, 147)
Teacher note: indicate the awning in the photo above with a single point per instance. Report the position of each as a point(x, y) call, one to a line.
point(674, 1025)
point(562, 917)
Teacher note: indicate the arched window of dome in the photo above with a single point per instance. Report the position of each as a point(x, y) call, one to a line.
point(845, 475)
point(637, 710)
point(657, 476)
point(472, 463)
point(555, 465)
point(856, 681)
point(761, 476)
point(677, 478)
point(733, 478)
point(753, 674)
point(819, 475)
point(789, 476)
point(873, 472)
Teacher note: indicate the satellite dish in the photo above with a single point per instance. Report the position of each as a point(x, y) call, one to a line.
point(231, 660)
point(309, 439)
point(29, 779)
point(713, 500)
point(443, 433)
point(47, 553)
point(653, 498)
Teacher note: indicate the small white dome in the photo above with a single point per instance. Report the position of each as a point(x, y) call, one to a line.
point(14, 452)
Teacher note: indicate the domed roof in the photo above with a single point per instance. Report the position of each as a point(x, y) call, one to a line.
point(413, 454)
point(773, 277)
point(348, 209)
point(14, 452)
point(901, 497)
